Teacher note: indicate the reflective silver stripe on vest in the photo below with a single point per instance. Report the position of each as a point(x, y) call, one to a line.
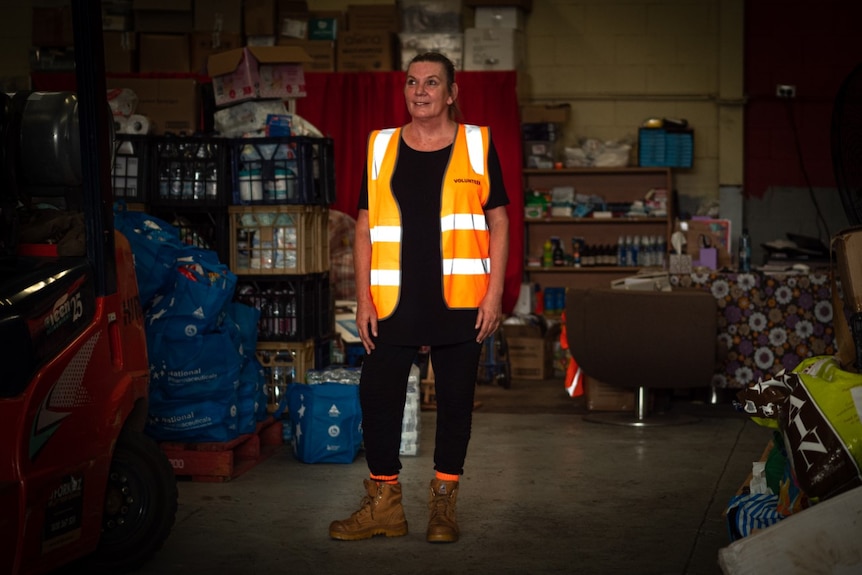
point(475, 148)
point(463, 222)
point(465, 266)
point(381, 141)
point(385, 234)
point(385, 277)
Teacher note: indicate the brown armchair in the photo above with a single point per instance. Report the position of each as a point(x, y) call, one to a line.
point(643, 340)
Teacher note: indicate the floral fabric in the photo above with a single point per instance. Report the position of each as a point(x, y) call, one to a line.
point(766, 322)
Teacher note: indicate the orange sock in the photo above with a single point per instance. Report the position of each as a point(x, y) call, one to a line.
point(446, 476)
point(390, 479)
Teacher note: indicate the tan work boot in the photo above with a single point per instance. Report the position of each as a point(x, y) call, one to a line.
point(442, 526)
point(379, 513)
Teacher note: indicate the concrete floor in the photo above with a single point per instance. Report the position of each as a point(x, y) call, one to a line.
point(544, 492)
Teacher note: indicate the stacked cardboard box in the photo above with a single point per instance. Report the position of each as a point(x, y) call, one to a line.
point(497, 40)
point(531, 350)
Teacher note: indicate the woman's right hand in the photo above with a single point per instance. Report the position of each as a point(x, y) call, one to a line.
point(366, 323)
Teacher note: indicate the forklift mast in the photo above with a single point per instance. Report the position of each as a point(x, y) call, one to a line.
point(95, 128)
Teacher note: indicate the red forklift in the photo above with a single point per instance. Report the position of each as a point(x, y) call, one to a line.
point(81, 485)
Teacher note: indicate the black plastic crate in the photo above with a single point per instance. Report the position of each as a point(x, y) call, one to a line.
point(284, 170)
point(131, 170)
point(207, 229)
point(288, 305)
point(325, 306)
point(190, 171)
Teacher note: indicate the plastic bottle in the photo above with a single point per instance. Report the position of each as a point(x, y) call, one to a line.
point(576, 252)
point(548, 254)
point(621, 251)
point(745, 251)
point(632, 251)
point(559, 256)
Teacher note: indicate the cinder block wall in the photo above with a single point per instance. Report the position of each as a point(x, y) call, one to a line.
point(619, 62)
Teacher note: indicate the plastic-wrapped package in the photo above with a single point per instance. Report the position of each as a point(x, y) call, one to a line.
point(817, 407)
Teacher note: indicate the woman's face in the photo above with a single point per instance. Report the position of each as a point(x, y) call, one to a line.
point(425, 92)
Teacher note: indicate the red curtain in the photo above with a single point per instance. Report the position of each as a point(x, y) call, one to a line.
point(347, 106)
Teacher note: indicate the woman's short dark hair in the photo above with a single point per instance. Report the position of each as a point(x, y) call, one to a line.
point(449, 68)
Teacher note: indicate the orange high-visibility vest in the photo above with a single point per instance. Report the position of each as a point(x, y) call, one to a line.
point(465, 239)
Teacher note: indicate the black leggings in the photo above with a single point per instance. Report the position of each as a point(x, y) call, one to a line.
point(383, 390)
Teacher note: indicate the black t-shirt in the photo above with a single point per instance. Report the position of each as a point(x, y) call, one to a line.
point(422, 317)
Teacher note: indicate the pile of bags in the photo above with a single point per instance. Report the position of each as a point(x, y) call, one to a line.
point(206, 384)
point(817, 454)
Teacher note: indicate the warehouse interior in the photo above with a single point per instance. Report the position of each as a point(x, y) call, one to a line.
point(668, 153)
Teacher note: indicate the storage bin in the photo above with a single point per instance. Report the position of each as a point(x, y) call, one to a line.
point(129, 176)
point(202, 228)
point(284, 239)
point(190, 171)
point(294, 358)
point(283, 170)
point(665, 148)
point(290, 308)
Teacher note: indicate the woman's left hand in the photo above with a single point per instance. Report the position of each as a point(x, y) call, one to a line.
point(489, 317)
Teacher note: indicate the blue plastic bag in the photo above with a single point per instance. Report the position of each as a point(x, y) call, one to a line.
point(154, 244)
point(203, 366)
point(192, 421)
point(199, 292)
point(327, 422)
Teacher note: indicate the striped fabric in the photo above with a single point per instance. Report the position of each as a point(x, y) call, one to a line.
point(749, 512)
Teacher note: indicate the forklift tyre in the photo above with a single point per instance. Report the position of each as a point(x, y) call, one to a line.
point(140, 505)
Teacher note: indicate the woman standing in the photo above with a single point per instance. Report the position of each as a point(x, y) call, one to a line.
point(430, 257)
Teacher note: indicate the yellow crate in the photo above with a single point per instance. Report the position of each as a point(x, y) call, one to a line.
point(271, 354)
point(285, 239)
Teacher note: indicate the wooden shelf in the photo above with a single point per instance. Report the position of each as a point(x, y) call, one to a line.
point(614, 185)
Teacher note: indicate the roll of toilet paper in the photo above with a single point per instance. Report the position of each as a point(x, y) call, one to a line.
point(137, 124)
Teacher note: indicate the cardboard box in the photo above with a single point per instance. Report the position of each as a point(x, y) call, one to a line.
point(714, 232)
point(450, 45)
point(163, 22)
point(295, 28)
point(847, 245)
point(525, 5)
point(167, 5)
point(116, 22)
point(494, 49)
point(531, 354)
point(52, 27)
point(340, 18)
point(163, 53)
point(366, 17)
point(547, 114)
point(120, 52)
point(204, 44)
point(603, 397)
point(365, 50)
point(499, 17)
point(258, 72)
point(431, 16)
point(323, 29)
point(321, 52)
point(218, 16)
point(171, 104)
point(259, 17)
point(679, 263)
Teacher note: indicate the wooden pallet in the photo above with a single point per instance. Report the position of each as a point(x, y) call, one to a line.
point(222, 461)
